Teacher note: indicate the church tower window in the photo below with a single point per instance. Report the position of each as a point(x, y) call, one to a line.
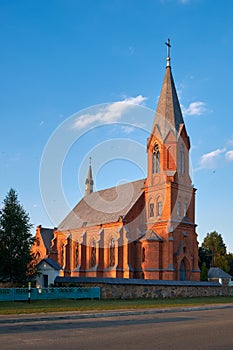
point(156, 160)
point(182, 161)
point(159, 208)
point(151, 210)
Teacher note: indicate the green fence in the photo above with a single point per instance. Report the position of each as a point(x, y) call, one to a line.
point(17, 294)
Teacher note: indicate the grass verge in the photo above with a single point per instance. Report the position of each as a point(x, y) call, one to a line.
point(45, 306)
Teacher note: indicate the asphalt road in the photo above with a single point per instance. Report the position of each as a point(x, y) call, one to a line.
point(208, 329)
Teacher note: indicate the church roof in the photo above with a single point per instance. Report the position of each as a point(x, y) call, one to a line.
point(47, 236)
point(168, 114)
point(103, 206)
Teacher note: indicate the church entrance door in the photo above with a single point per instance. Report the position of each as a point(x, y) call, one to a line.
point(182, 271)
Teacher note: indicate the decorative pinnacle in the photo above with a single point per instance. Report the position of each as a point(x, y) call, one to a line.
point(90, 160)
point(168, 52)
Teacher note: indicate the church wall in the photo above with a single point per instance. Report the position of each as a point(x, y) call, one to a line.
point(155, 238)
point(38, 249)
point(151, 289)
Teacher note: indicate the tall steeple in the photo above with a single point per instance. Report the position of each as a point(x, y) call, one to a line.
point(168, 145)
point(168, 113)
point(89, 181)
point(169, 194)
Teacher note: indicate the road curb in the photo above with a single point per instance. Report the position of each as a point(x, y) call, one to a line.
point(39, 318)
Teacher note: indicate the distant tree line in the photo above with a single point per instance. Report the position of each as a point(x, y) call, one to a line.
point(213, 253)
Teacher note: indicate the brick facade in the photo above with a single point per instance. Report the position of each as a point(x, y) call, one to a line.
point(153, 236)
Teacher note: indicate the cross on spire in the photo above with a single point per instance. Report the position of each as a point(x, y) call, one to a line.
point(168, 52)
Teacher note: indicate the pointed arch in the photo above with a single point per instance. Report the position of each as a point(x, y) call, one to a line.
point(156, 160)
point(182, 160)
point(112, 253)
point(93, 254)
point(77, 255)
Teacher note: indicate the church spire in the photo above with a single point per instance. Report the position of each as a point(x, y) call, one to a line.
point(168, 113)
point(89, 181)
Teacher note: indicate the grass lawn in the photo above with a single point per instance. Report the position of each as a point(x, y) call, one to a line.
point(17, 307)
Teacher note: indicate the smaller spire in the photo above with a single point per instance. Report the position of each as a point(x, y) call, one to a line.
point(168, 52)
point(89, 181)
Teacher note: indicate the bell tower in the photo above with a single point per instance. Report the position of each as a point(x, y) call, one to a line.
point(170, 196)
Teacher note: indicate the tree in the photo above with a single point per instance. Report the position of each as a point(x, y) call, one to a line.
point(15, 240)
point(230, 263)
point(204, 257)
point(214, 243)
point(204, 273)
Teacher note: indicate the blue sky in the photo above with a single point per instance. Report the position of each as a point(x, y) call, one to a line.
point(60, 58)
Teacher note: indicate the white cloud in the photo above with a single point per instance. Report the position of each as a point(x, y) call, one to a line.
point(208, 160)
point(109, 113)
point(127, 129)
point(229, 156)
point(195, 108)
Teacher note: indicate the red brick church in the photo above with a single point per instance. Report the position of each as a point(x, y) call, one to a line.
point(143, 229)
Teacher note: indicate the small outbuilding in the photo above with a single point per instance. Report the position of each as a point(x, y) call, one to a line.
point(215, 274)
point(48, 271)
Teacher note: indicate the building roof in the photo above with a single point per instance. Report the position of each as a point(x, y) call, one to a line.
point(216, 272)
point(168, 113)
point(51, 262)
point(47, 236)
point(104, 206)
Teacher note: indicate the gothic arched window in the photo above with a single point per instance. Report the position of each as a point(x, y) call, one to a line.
point(151, 210)
point(156, 160)
point(76, 255)
point(182, 160)
point(93, 255)
point(159, 208)
point(112, 253)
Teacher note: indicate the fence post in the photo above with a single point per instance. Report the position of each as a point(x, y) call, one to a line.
point(29, 292)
